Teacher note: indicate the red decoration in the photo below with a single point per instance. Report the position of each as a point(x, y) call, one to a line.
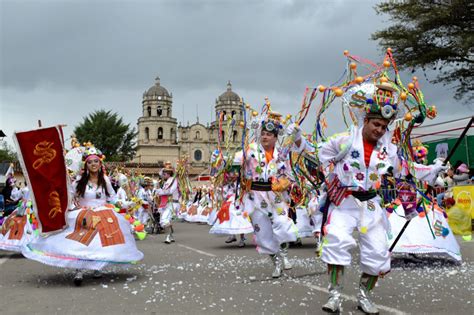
point(42, 160)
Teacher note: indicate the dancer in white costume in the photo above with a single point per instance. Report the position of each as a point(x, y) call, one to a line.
point(168, 200)
point(266, 173)
point(192, 206)
point(355, 162)
point(230, 219)
point(96, 236)
point(145, 195)
point(201, 212)
point(19, 228)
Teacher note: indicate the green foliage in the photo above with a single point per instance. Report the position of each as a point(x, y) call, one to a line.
point(7, 154)
point(107, 132)
point(437, 35)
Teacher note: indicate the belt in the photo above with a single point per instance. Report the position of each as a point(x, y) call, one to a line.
point(261, 186)
point(364, 195)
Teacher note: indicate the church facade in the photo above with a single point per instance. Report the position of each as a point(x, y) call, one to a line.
point(161, 138)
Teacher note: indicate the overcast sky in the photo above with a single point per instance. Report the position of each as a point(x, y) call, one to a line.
point(61, 60)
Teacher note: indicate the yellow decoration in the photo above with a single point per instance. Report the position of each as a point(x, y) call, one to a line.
point(339, 92)
point(346, 52)
point(45, 152)
point(353, 65)
point(359, 80)
point(321, 88)
point(363, 230)
point(386, 64)
point(55, 203)
point(411, 86)
point(403, 96)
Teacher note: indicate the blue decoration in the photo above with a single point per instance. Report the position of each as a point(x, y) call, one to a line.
point(445, 232)
point(355, 154)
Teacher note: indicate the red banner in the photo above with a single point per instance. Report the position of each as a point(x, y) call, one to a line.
point(42, 160)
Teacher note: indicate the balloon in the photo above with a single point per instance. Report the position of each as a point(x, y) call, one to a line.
point(139, 228)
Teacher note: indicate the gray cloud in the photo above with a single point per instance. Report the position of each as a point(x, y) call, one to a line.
point(60, 60)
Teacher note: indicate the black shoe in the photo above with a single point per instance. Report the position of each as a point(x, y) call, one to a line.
point(78, 277)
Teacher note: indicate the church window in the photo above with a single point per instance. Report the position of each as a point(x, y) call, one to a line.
point(160, 133)
point(234, 136)
point(198, 155)
point(173, 135)
point(149, 111)
point(159, 111)
point(198, 135)
point(147, 134)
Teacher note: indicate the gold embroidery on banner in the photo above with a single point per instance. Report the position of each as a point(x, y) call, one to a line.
point(55, 203)
point(45, 152)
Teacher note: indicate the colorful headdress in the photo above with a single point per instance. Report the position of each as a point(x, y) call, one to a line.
point(168, 168)
point(272, 123)
point(384, 101)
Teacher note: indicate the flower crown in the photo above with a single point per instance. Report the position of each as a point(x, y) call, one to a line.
point(91, 150)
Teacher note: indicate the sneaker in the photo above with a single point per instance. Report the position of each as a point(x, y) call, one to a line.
point(168, 239)
point(172, 238)
point(242, 243)
point(78, 277)
point(231, 239)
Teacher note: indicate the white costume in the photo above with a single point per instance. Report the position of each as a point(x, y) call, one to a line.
point(418, 237)
point(96, 236)
point(142, 213)
point(169, 205)
point(18, 229)
point(230, 219)
point(268, 210)
point(346, 153)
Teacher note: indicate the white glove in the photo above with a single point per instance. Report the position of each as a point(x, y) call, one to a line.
point(440, 167)
point(295, 130)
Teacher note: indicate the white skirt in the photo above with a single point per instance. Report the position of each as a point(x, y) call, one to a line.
point(17, 231)
point(201, 215)
point(235, 223)
point(94, 239)
point(418, 237)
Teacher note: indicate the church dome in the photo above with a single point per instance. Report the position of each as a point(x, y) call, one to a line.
point(157, 89)
point(229, 95)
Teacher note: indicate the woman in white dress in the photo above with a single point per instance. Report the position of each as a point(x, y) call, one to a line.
point(96, 235)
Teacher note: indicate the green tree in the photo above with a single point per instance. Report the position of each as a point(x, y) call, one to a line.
point(7, 154)
point(107, 132)
point(435, 34)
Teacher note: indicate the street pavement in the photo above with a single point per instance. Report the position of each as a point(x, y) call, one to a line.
point(200, 274)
